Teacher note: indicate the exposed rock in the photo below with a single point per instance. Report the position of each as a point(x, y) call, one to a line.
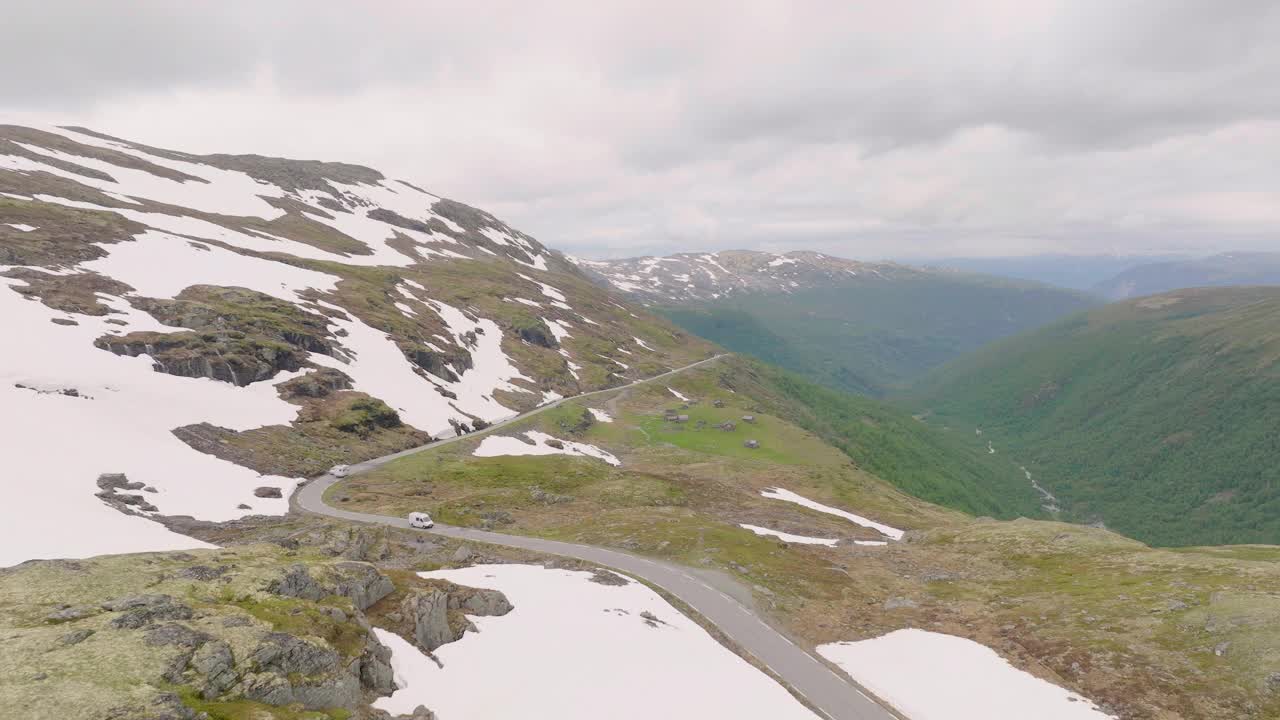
point(376, 673)
point(357, 581)
point(362, 584)
point(284, 653)
point(76, 637)
point(428, 613)
point(315, 384)
point(494, 518)
point(463, 554)
point(298, 583)
point(605, 577)
point(203, 573)
point(129, 602)
point(176, 634)
point(117, 481)
point(537, 494)
point(142, 616)
point(651, 620)
point(419, 713)
point(900, 603)
point(268, 492)
point(555, 444)
point(216, 665)
point(68, 614)
point(479, 601)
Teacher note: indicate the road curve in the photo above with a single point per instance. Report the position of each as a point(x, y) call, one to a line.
point(831, 693)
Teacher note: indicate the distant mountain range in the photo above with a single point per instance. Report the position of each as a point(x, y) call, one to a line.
point(1078, 272)
point(862, 327)
point(1219, 270)
point(690, 277)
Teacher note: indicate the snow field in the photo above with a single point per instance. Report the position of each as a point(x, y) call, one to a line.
point(932, 676)
point(573, 649)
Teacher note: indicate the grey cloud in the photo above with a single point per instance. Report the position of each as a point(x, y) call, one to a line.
point(608, 127)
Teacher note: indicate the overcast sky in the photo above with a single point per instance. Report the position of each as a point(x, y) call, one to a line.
point(869, 130)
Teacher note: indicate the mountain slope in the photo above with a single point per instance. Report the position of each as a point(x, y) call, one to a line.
point(860, 327)
point(1155, 416)
point(1121, 623)
point(168, 312)
point(1218, 270)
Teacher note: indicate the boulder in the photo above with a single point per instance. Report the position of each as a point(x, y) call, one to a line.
point(362, 584)
point(76, 637)
point(268, 492)
point(175, 634)
point(69, 613)
point(428, 612)
point(216, 666)
point(286, 654)
point(479, 601)
point(145, 610)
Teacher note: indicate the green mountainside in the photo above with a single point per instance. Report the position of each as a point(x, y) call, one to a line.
point(875, 335)
point(1155, 416)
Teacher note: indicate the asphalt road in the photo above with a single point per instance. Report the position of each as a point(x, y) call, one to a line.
point(830, 692)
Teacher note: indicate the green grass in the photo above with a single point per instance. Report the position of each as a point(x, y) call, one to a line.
point(883, 440)
point(302, 618)
point(1154, 416)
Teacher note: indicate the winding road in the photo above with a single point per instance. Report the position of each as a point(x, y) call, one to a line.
point(832, 694)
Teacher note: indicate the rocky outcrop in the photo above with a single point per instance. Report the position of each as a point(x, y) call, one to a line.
point(359, 582)
point(143, 610)
point(318, 383)
point(236, 360)
point(110, 485)
point(437, 616)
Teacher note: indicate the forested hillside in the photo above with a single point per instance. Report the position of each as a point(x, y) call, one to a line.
point(1155, 416)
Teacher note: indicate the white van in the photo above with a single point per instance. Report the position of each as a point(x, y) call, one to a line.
point(340, 471)
point(420, 520)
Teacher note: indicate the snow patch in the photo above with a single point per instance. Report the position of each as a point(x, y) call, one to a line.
point(22, 227)
point(572, 647)
point(932, 676)
point(788, 537)
point(677, 393)
point(499, 445)
point(600, 415)
point(787, 495)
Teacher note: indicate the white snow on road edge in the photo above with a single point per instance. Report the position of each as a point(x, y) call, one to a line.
point(787, 495)
point(932, 676)
point(574, 649)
